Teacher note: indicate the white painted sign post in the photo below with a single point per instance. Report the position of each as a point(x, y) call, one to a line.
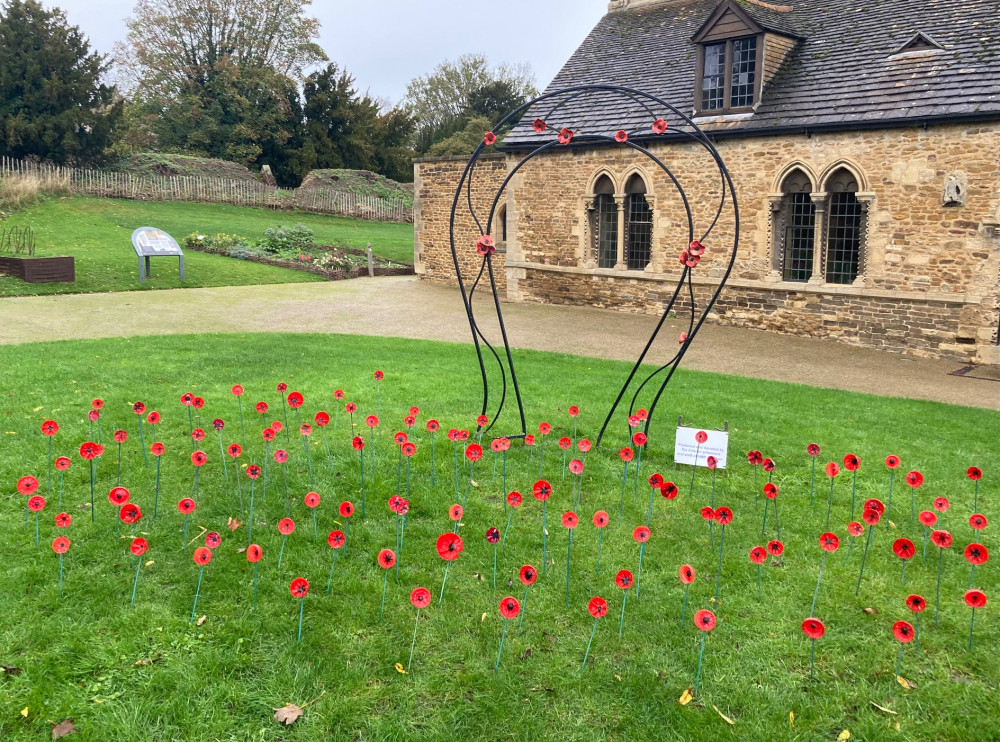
point(685, 446)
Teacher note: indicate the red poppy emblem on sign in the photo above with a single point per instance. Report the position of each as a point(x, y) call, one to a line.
point(701, 436)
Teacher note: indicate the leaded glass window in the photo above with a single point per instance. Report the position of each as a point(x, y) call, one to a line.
point(713, 81)
point(744, 67)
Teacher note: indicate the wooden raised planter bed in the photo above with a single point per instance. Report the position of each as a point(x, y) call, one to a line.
point(40, 270)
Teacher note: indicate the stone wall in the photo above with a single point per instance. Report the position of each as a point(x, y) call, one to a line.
point(930, 275)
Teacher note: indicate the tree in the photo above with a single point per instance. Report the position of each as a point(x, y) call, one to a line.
point(53, 104)
point(443, 101)
point(462, 142)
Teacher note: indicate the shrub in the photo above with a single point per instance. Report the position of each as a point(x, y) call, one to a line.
point(283, 239)
point(218, 242)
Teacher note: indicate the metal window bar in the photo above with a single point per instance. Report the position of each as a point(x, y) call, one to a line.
point(744, 68)
point(605, 230)
point(713, 81)
point(800, 223)
point(843, 245)
point(638, 232)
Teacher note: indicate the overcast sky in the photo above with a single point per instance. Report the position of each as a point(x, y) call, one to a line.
point(385, 43)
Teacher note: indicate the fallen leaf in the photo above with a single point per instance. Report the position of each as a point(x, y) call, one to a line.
point(844, 735)
point(63, 728)
point(686, 697)
point(483, 619)
point(478, 576)
point(908, 684)
point(24, 712)
point(791, 718)
point(150, 563)
point(97, 700)
point(618, 678)
point(232, 524)
point(241, 549)
point(10, 670)
point(883, 708)
point(527, 654)
point(897, 726)
point(150, 661)
point(400, 669)
point(891, 524)
point(724, 717)
point(474, 482)
point(287, 715)
point(41, 407)
point(201, 620)
point(870, 611)
point(552, 639)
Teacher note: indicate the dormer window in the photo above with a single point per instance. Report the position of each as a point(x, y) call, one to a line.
point(729, 75)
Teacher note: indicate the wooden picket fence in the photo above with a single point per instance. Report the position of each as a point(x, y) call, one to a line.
point(111, 184)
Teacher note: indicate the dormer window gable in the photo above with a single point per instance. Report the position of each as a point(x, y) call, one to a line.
point(917, 45)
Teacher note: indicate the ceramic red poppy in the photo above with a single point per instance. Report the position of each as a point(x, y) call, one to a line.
point(914, 479)
point(130, 513)
point(197, 403)
point(213, 540)
point(485, 246)
point(489, 139)
point(280, 455)
point(621, 136)
point(253, 471)
point(493, 535)
point(138, 408)
point(218, 424)
point(509, 607)
point(855, 529)
point(62, 463)
point(724, 515)
point(420, 597)
point(139, 546)
point(655, 480)
point(538, 126)
point(573, 410)
point(198, 458)
point(624, 579)
point(286, 526)
point(659, 126)
point(282, 387)
point(941, 504)
point(639, 439)
point(311, 499)
point(346, 509)
point(974, 473)
point(276, 426)
point(299, 588)
point(686, 574)
point(565, 136)
point(892, 461)
point(336, 539)
point(64, 520)
point(682, 338)
point(813, 449)
point(758, 555)
point(386, 558)
point(88, 451)
point(875, 504)
point(371, 421)
point(97, 404)
point(514, 499)
point(414, 411)
point(202, 556)
point(198, 435)
point(832, 469)
point(565, 443)
point(93, 416)
point(598, 607)
point(829, 542)
point(976, 520)
point(378, 375)
point(668, 490)
point(775, 547)
point(455, 512)
point(570, 519)
point(976, 554)
point(60, 545)
point(27, 485)
point(186, 506)
point(768, 465)
point(871, 516)
point(433, 426)
point(473, 452)
point(186, 399)
point(449, 546)
point(576, 466)
point(755, 458)
point(583, 445)
point(305, 429)
point(927, 518)
point(268, 434)
point(634, 421)
point(641, 534)
point(529, 440)
point(350, 408)
point(704, 620)
point(36, 503)
point(601, 519)
point(851, 462)
point(903, 548)
point(50, 428)
point(295, 400)
point(770, 490)
point(542, 490)
point(813, 628)
point(156, 449)
point(261, 407)
point(118, 496)
point(903, 631)
point(234, 450)
point(942, 539)
point(975, 598)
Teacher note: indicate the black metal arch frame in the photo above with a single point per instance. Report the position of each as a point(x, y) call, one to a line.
point(678, 125)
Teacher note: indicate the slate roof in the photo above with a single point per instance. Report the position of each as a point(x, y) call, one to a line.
point(842, 74)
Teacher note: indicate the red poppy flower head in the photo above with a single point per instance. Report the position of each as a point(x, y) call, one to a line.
point(659, 126)
point(573, 410)
point(139, 546)
point(93, 416)
point(626, 454)
point(198, 458)
point(758, 555)
point(903, 631)
point(976, 520)
point(538, 126)
point(974, 473)
point(202, 556)
point(282, 387)
point(198, 435)
point(576, 466)
point(542, 490)
point(409, 448)
point(156, 449)
point(813, 449)
point(570, 520)
point(927, 518)
point(634, 421)
point(529, 440)
point(875, 504)
point(485, 246)
point(336, 539)
point(496, 446)
point(63, 463)
point(433, 425)
point(768, 465)
point(409, 421)
point(414, 411)
point(371, 421)
point(903, 548)
point(455, 512)
point(218, 424)
point(338, 394)
point(639, 439)
point(851, 462)
point(770, 490)
point(394, 503)
point(755, 458)
point(386, 558)
point(350, 408)
point(138, 408)
point(489, 139)
point(832, 469)
point(621, 136)
point(97, 404)
point(118, 496)
point(641, 534)
point(696, 248)
point(50, 428)
point(187, 398)
point(775, 547)
point(261, 407)
point(27, 485)
point(597, 606)
point(624, 579)
point(286, 526)
point(544, 428)
point(565, 136)
point(914, 479)
point(453, 435)
point(813, 628)
point(941, 539)
point(449, 546)
point(704, 620)
point(724, 515)
point(378, 375)
point(892, 461)
point(253, 553)
point(276, 427)
point(346, 509)
point(234, 450)
point(871, 516)
point(829, 541)
point(305, 429)
point(358, 442)
point(280, 455)
point(60, 545)
point(711, 462)
point(186, 506)
point(473, 452)
point(197, 403)
point(36, 503)
point(941, 504)
point(691, 261)
point(686, 574)
point(565, 442)
point(295, 400)
point(88, 451)
point(64, 520)
point(98, 450)
point(682, 338)
point(855, 529)
point(253, 471)
point(420, 597)
point(916, 603)
point(493, 535)
point(707, 513)
point(975, 598)
point(514, 499)
point(509, 607)
point(976, 554)
point(311, 500)
point(299, 587)
point(701, 436)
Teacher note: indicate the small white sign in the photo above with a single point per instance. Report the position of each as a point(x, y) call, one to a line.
point(686, 447)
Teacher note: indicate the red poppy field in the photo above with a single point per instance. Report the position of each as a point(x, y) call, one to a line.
point(260, 537)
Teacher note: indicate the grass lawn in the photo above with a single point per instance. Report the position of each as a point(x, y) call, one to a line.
point(97, 232)
point(146, 672)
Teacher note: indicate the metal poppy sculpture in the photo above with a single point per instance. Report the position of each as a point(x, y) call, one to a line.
point(555, 112)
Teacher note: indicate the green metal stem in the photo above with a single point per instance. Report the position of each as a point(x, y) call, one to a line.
point(587, 653)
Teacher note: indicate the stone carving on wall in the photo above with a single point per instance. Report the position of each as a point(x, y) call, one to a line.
point(955, 187)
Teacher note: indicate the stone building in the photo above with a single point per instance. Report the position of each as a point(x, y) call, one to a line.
point(863, 141)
